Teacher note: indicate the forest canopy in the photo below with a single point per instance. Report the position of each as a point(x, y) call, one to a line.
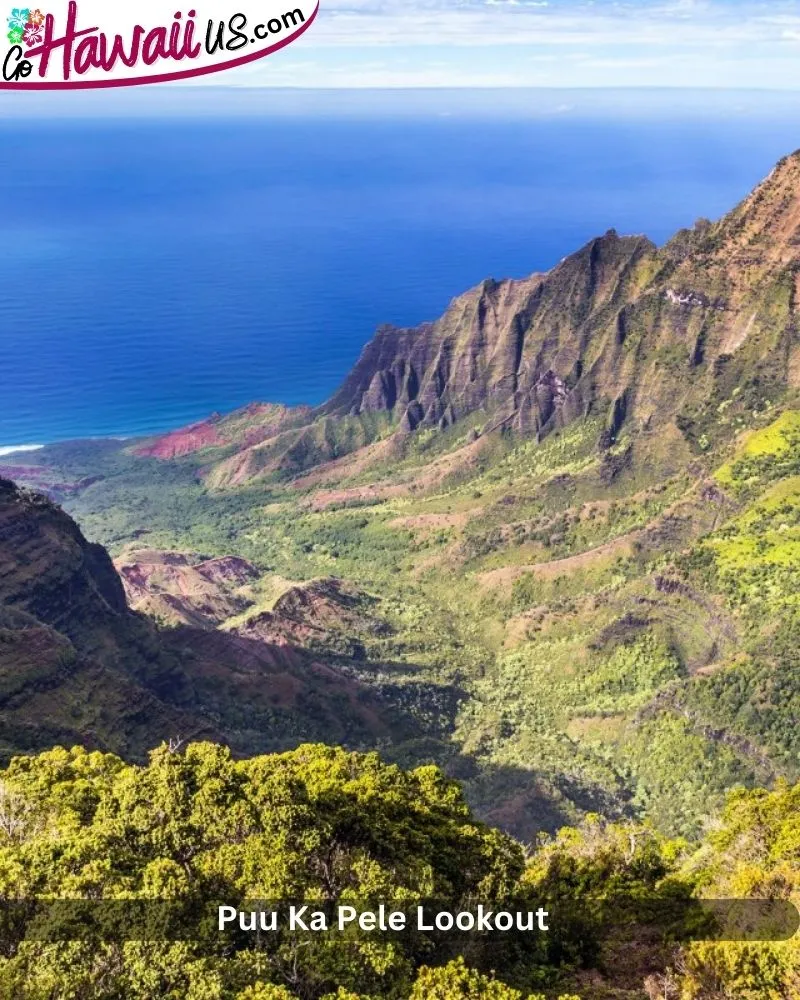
point(196, 826)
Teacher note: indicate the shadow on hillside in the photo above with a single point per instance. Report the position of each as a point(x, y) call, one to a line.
point(267, 698)
point(264, 698)
point(519, 800)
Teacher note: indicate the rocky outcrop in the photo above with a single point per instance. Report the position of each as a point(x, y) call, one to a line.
point(637, 334)
point(184, 589)
point(328, 615)
point(49, 570)
point(517, 350)
point(77, 666)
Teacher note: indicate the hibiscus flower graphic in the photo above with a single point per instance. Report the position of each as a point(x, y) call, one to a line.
point(19, 18)
point(33, 34)
point(36, 17)
point(15, 36)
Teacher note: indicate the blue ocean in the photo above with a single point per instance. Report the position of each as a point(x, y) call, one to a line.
point(159, 263)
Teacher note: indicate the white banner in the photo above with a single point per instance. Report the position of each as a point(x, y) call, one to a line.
point(91, 43)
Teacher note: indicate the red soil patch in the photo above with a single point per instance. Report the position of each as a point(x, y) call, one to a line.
point(187, 441)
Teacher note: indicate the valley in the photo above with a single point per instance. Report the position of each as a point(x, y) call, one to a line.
point(546, 542)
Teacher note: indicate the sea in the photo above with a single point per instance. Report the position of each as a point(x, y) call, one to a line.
point(166, 257)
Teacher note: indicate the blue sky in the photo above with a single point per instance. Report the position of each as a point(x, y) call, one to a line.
point(552, 43)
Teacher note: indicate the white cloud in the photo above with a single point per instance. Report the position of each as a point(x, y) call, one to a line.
point(747, 43)
point(521, 22)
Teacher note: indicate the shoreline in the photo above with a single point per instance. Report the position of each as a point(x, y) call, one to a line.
point(14, 449)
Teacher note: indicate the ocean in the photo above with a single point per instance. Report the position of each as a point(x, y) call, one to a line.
point(157, 265)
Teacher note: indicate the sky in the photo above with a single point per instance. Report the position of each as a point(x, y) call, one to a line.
point(750, 44)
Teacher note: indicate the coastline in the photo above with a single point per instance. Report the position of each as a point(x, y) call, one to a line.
point(14, 449)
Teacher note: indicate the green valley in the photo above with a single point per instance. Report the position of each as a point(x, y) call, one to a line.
point(547, 546)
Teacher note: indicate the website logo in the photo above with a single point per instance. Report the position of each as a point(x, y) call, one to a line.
point(94, 44)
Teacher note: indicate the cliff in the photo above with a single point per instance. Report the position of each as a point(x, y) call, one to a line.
point(637, 335)
point(78, 666)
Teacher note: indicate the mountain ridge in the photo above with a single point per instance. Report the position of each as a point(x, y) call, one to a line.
point(583, 552)
point(636, 334)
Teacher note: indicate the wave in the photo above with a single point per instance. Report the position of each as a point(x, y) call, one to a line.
point(14, 448)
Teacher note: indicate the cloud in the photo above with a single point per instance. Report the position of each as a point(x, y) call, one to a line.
point(522, 22)
point(747, 43)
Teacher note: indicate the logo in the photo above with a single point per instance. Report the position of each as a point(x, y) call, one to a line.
point(93, 44)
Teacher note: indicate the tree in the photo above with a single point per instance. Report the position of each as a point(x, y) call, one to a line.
point(456, 982)
point(195, 828)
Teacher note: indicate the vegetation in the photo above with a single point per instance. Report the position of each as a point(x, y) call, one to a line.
point(578, 597)
point(195, 829)
point(556, 620)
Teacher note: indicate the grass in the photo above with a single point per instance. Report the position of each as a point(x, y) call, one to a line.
point(762, 451)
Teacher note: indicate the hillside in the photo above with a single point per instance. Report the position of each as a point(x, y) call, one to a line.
point(77, 666)
point(635, 335)
point(548, 540)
